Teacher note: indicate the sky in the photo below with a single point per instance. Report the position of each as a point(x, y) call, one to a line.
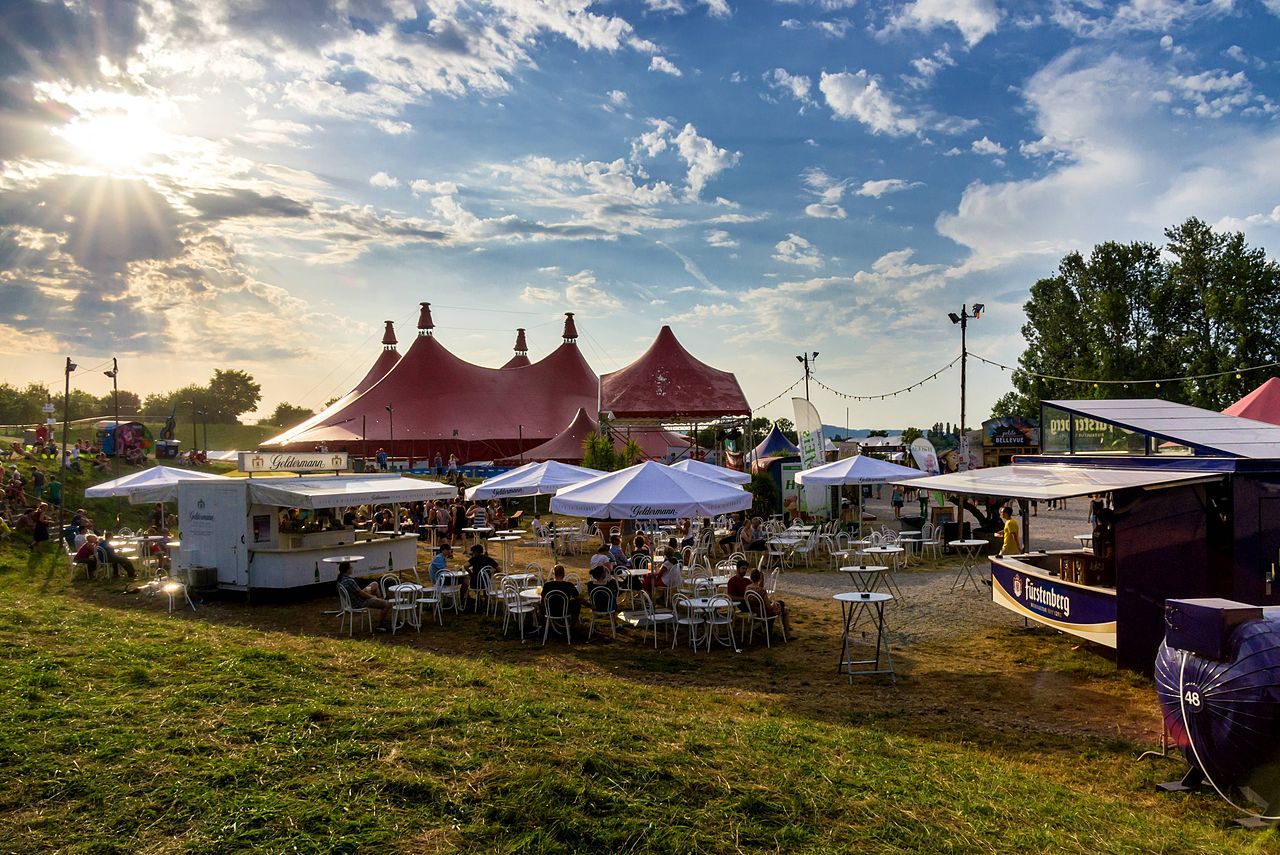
point(258, 184)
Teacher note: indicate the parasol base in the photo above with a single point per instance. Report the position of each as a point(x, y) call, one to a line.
point(1190, 782)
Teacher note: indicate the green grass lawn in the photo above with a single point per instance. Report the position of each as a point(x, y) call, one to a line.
point(123, 729)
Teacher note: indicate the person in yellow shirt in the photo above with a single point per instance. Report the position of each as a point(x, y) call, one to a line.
point(1012, 540)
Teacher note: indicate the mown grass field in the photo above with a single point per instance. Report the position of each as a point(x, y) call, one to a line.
point(124, 729)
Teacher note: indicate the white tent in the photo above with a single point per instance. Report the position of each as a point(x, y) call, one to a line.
point(157, 484)
point(340, 491)
point(706, 470)
point(649, 491)
point(532, 479)
point(859, 469)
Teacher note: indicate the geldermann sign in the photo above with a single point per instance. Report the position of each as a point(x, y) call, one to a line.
point(292, 461)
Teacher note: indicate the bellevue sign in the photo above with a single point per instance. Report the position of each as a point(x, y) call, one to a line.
point(292, 461)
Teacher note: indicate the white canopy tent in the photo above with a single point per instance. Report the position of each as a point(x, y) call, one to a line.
point(532, 479)
point(706, 470)
point(859, 469)
point(157, 484)
point(650, 491)
point(341, 491)
point(1042, 481)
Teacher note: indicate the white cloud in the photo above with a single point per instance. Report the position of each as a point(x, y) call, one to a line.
point(828, 188)
point(704, 159)
point(1097, 20)
point(581, 291)
point(975, 19)
point(618, 98)
point(539, 295)
point(927, 68)
point(881, 187)
point(824, 212)
point(796, 85)
point(666, 66)
point(859, 96)
point(721, 239)
point(988, 147)
point(796, 250)
point(383, 181)
point(422, 187)
point(835, 28)
point(715, 8)
point(791, 24)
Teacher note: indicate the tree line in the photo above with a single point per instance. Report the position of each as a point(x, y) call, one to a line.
point(1204, 303)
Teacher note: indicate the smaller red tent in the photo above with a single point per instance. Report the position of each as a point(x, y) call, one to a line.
point(566, 446)
point(1262, 404)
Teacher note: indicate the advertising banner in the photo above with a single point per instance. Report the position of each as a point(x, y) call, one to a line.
point(1085, 612)
point(813, 500)
point(925, 456)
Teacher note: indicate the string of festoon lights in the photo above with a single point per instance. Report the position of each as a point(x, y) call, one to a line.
point(893, 394)
point(1156, 382)
point(779, 395)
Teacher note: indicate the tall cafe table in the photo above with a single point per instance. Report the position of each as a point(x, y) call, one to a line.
point(508, 542)
point(910, 539)
point(1085, 540)
point(864, 577)
point(886, 553)
point(853, 605)
point(968, 550)
point(338, 559)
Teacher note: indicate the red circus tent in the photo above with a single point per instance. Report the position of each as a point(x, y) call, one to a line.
point(566, 446)
point(433, 401)
point(521, 359)
point(1262, 404)
point(381, 366)
point(668, 384)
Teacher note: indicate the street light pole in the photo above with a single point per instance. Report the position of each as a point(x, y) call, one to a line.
point(963, 320)
point(805, 359)
point(391, 428)
point(66, 420)
point(115, 395)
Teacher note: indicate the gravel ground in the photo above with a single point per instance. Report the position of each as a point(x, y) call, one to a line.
point(929, 611)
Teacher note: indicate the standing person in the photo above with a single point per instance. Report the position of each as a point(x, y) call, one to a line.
point(381, 457)
point(896, 498)
point(365, 597)
point(1011, 540)
point(37, 483)
point(40, 522)
point(923, 496)
point(55, 492)
point(439, 465)
point(453, 466)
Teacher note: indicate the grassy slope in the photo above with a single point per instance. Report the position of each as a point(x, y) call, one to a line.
point(221, 437)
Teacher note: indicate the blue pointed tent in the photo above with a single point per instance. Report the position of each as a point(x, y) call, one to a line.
point(775, 445)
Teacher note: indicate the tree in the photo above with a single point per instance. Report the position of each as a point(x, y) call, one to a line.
point(598, 453)
point(22, 406)
point(877, 432)
point(130, 404)
point(788, 429)
point(1209, 305)
point(287, 414)
point(233, 392)
point(764, 495)
point(910, 435)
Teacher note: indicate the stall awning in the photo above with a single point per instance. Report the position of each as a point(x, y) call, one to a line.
point(1051, 481)
point(337, 492)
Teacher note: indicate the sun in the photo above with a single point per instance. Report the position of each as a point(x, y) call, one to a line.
point(117, 141)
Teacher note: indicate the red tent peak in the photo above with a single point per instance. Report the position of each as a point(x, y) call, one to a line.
point(570, 331)
point(389, 335)
point(521, 347)
point(425, 324)
point(1262, 404)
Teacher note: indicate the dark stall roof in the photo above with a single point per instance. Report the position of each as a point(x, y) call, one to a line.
point(1206, 431)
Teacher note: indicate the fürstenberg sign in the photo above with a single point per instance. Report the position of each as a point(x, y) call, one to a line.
point(292, 461)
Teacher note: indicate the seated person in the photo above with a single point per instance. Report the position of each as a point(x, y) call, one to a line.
point(774, 608)
point(440, 564)
point(87, 554)
point(101, 462)
point(732, 537)
point(558, 583)
point(618, 557)
point(639, 548)
point(752, 536)
point(108, 556)
point(479, 560)
point(497, 518)
point(367, 597)
point(666, 574)
point(736, 587)
point(600, 579)
point(601, 558)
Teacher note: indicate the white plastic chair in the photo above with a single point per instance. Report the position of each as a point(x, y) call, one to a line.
point(690, 618)
point(347, 613)
point(604, 610)
point(759, 614)
point(719, 621)
point(515, 606)
point(555, 611)
point(648, 618)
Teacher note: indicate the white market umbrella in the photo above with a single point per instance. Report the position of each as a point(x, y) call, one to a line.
point(532, 479)
point(157, 484)
point(859, 469)
point(706, 470)
point(649, 491)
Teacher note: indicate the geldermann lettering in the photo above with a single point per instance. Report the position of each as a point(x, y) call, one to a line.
point(648, 511)
point(195, 517)
point(289, 463)
point(1048, 598)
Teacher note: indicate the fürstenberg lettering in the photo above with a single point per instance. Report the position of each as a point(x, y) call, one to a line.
point(1046, 597)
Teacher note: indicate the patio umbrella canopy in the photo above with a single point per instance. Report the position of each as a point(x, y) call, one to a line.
point(859, 469)
point(532, 479)
point(157, 484)
point(706, 470)
point(649, 491)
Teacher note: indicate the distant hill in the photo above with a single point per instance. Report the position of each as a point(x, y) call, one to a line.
point(832, 431)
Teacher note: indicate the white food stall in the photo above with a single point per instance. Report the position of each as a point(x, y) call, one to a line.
point(234, 525)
